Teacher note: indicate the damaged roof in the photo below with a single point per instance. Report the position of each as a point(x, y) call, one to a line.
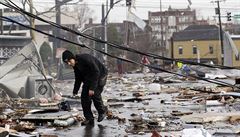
point(197, 32)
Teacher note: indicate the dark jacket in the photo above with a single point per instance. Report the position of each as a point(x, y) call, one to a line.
point(88, 70)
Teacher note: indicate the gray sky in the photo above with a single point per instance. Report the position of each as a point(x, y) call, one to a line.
point(204, 8)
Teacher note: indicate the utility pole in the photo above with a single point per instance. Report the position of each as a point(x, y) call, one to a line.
point(57, 42)
point(127, 38)
point(32, 24)
point(57, 33)
point(105, 34)
point(1, 21)
point(102, 33)
point(218, 11)
point(161, 26)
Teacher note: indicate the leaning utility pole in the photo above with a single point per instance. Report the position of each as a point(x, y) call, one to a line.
point(218, 11)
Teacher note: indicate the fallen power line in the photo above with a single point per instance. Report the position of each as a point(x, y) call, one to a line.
point(126, 60)
point(112, 44)
point(120, 47)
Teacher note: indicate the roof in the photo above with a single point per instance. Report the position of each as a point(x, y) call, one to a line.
point(197, 32)
point(14, 41)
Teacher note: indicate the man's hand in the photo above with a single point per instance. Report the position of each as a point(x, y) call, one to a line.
point(90, 93)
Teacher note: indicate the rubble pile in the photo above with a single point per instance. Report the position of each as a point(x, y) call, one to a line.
point(174, 107)
point(138, 104)
point(22, 117)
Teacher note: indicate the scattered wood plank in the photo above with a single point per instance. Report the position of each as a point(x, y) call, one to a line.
point(209, 117)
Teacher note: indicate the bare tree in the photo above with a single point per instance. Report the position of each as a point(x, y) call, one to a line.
point(82, 10)
point(83, 14)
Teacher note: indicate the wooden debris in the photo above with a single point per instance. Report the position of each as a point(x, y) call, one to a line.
point(110, 115)
point(134, 99)
point(210, 117)
point(234, 119)
point(24, 126)
point(116, 105)
point(138, 94)
point(178, 113)
point(61, 115)
point(3, 132)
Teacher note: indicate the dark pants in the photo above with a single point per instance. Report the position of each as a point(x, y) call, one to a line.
point(86, 101)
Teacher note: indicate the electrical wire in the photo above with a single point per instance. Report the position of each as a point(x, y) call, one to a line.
point(115, 45)
point(126, 60)
point(130, 61)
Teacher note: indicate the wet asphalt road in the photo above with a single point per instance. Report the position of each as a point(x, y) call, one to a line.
point(110, 127)
point(123, 89)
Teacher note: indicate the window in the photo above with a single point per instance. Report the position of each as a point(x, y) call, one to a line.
point(194, 49)
point(237, 58)
point(180, 50)
point(211, 49)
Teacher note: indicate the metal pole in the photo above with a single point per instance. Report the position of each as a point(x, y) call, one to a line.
point(57, 41)
point(162, 45)
point(221, 35)
point(94, 42)
point(32, 20)
point(105, 33)
point(1, 21)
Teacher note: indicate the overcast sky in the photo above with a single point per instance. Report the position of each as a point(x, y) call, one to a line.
point(204, 8)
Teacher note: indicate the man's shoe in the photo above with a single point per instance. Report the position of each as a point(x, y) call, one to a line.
point(101, 117)
point(88, 122)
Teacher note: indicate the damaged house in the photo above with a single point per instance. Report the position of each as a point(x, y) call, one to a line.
point(24, 68)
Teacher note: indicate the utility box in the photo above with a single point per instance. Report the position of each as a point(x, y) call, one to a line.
point(38, 87)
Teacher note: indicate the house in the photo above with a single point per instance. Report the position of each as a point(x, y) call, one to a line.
point(197, 43)
point(236, 58)
point(201, 43)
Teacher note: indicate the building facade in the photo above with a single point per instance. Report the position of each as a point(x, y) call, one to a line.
point(67, 20)
point(236, 59)
point(199, 43)
point(165, 23)
point(10, 45)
